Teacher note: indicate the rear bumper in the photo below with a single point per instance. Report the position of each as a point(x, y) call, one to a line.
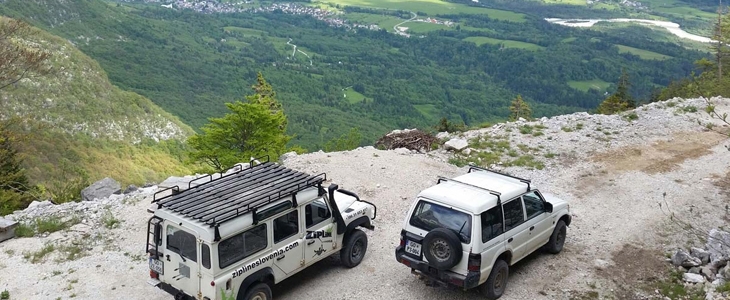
point(177, 294)
point(446, 278)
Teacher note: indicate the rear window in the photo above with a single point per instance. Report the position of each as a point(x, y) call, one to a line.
point(429, 216)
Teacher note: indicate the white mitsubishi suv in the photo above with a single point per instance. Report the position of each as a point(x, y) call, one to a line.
point(467, 231)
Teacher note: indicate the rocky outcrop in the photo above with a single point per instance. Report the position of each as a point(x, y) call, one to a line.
point(706, 265)
point(101, 189)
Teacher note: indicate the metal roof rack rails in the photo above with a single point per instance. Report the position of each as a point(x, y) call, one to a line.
point(495, 193)
point(523, 180)
point(227, 197)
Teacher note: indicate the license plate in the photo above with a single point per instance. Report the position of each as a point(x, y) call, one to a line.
point(413, 248)
point(156, 265)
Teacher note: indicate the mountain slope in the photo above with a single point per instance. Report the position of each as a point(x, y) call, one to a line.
point(78, 124)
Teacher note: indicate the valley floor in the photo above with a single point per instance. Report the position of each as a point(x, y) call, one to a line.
point(615, 246)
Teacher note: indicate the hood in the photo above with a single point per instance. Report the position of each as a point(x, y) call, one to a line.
point(557, 203)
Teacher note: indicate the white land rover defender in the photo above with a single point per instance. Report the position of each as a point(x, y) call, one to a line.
point(236, 236)
point(467, 231)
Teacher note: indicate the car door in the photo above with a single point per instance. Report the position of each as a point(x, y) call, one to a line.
point(319, 226)
point(180, 260)
point(517, 232)
point(287, 238)
point(539, 220)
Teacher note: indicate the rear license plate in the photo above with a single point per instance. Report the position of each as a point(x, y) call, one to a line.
point(413, 248)
point(156, 265)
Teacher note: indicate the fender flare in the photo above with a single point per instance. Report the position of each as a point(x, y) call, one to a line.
point(259, 276)
point(363, 221)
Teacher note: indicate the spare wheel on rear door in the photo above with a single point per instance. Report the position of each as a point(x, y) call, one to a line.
point(442, 248)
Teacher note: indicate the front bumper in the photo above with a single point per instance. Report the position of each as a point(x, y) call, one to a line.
point(443, 277)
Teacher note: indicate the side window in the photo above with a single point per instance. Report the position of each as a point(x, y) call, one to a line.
point(533, 205)
point(316, 212)
point(513, 214)
point(182, 242)
point(492, 225)
point(205, 253)
point(242, 245)
point(286, 226)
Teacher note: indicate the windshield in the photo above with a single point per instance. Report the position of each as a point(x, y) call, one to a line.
point(429, 216)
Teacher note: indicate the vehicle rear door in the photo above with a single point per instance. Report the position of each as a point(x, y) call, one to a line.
point(517, 232)
point(180, 259)
point(319, 227)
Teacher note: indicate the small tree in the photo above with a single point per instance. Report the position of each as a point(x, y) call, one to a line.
point(619, 101)
point(17, 59)
point(13, 181)
point(519, 109)
point(253, 128)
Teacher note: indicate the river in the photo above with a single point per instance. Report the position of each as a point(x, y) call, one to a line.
point(670, 26)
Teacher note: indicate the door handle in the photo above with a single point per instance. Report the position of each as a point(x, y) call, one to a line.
point(168, 257)
point(310, 242)
point(281, 257)
point(532, 227)
point(510, 240)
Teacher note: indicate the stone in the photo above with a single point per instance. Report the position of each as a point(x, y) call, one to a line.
point(725, 273)
point(708, 271)
point(180, 182)
point(601, 264)
point(467, 151)
point(443, 135)
point(130, 189)
point(693, 278)
point(456, 144)
point(682, 258)
point(700, 253)
point(39, 204)
point(694, 270)
point(7, 229)
point(287, 155)
point(718, 244)
point(101, 189)
point(402, 151)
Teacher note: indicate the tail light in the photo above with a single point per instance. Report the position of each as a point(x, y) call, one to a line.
point(154, 275)
point(475, 262)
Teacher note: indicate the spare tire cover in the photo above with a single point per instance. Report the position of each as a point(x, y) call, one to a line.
point(442, 248)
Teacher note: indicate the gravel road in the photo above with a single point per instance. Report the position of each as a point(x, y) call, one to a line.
point(619, 228)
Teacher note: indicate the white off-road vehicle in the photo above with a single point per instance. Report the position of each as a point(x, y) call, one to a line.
point(467, 231)
point(236, 236)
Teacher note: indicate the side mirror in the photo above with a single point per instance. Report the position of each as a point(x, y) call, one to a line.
point(548, 207)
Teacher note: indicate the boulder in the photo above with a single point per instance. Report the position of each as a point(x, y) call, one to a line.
point(39, 204)
point(693, 278)
point(456, 144)
point(181, 182)
point(725, 273)
point(130, 189)
point(443, 135)
point(601, 264)
point(694, 270)
point(700, 253)
point(101, 189)
point(718, 245)
point(682, 258)
point(287, 155)
point(467, 151)
point(7, 229)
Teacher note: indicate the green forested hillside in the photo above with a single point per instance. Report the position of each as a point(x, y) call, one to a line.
point(77, 127)
point(190, 63)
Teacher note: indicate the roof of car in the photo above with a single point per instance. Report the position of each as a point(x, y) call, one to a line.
point(475, 191)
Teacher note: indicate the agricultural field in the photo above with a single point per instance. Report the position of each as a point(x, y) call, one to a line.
point(480, 40)
point(353, 96)
point(432, 7)
point(595, 84)
point(423, 27)
point(643, 54)
point(427, 110)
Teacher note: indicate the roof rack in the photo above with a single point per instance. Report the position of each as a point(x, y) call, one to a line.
point(498, 194)
point(227, 197)
point(525, 181)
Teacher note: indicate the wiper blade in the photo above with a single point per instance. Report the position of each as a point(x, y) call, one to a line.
point(177, 250)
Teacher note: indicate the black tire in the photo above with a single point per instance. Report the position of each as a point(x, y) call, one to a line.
point(442, 248)
point(259, 291)
point(356, 244)
point(557, 239)
point(496, 284)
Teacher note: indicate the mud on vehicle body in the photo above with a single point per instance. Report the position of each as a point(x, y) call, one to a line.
point(236, 236)
point(467, 231)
